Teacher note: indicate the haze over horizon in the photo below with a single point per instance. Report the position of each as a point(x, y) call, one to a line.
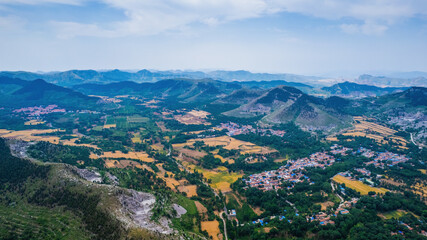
point(327, 38)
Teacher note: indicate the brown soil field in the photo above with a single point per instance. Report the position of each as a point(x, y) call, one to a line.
point(192, 153)
point(109, 163)
point(162, 126)
point(212, 227)
point(200, 208)
point(170, 181)
point(325, 205)
point(191, 190)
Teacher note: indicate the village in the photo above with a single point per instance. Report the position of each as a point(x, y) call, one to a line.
point(236, 129)
point(291, 172)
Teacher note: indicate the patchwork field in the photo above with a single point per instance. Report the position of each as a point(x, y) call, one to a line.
point(142, 156)
point(381, 134)
point(109, 163)
point(31, 135)
point(34, 122)
point(229, 143)
point(136, 138)
point(358, 186)
point(170, 181)
point(212, 227)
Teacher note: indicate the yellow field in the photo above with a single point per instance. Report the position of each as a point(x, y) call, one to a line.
point(31, 135)
point(109, 126)
point(190, 190)
point(212, 227)
point(200, 114)
point(377, 132)
point(142, 156)
point(229, 143)
point(200, 208)
point(109, 163)
point(136, 138)
point(358, 186)
point(423, 171)
point(170, 181)
point(34, 122)
point(230, 161)
point(220, 178)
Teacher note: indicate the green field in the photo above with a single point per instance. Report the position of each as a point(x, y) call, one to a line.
point(394, 214)
point(123, 122)
point(186, 222)
point(24, 221)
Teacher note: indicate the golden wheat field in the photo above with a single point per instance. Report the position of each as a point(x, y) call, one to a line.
point(142, 156)
point(106, 126)
point(364, 128)
point(358, 186)
point(229, 143)
point(34, 122)
point(212, 227)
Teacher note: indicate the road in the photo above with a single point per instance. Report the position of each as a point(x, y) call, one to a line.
point(333, 189)
point(225, 225)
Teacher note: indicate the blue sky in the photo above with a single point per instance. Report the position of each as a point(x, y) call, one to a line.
point(317, 37)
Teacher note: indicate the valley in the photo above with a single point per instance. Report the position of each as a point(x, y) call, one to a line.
point(202, 158)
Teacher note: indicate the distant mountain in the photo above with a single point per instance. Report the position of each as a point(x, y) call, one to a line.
point(412, 97)
point(381, 81)
point(350, 89)
point(76, 77)
point(187, 90)
point(241, 96)
point(288, 104)
point(17, 92)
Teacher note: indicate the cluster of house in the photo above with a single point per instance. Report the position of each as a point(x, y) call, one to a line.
point(381, 159)
point(337, 149)
point(39, 110)
point(366, 152)
point(325, 218)
point(291, 172)
point(388, 159)
point(237, 129)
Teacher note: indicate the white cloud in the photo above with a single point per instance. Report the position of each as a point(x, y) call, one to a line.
point(36, 2)
point(368, 28)
point(149, 17)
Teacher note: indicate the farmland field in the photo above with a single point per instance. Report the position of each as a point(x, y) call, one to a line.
point(229, 143)
point(381, 134)
point(393, 214)
point(357, 185)
point(142, 156)
point(212, 227)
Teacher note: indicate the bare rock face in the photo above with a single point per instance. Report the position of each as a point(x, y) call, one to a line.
point(179, 210)
point(90, 175)
point(138, 207)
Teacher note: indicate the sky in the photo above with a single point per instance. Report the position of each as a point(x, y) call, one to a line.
point(311, 37)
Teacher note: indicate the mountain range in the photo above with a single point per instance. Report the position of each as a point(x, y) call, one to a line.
point(354, 90)
point(275, 105)
point(21, 93)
